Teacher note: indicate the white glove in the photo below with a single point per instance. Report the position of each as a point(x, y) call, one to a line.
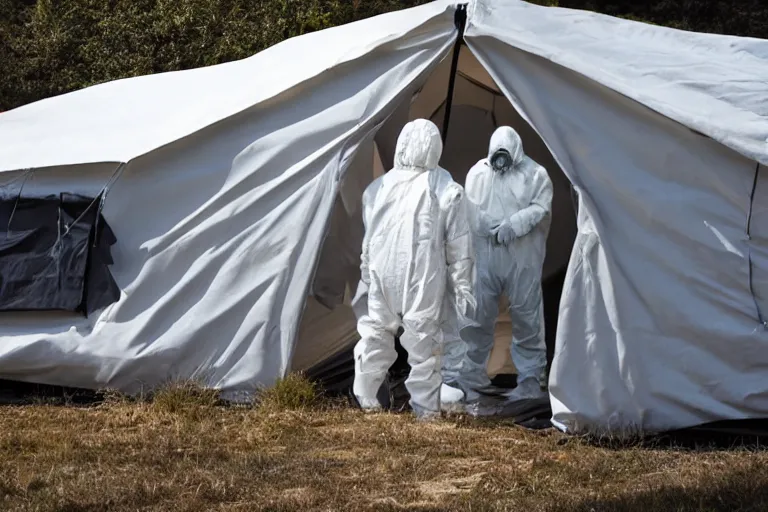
point(509, 230)
point(505, 233)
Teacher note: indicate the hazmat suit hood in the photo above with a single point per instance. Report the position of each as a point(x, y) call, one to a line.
point(419, 147)
point(505, 139)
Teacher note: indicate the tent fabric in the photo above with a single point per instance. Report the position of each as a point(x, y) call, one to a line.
point(219, 233)
point(713, 84)
point(328, 324)
point(658, 327)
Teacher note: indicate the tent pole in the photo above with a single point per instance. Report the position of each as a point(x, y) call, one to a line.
point(460, 19)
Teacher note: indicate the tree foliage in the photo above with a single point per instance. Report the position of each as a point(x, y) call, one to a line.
point(49, 47)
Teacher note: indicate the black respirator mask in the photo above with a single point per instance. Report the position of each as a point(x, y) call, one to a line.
point(501, 161)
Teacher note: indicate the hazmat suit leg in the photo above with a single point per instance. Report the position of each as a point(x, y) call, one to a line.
point(453, 347)
point(528, 349)
point(375, 352)
point(454, 351)
point(422, 341)
point(479, 338)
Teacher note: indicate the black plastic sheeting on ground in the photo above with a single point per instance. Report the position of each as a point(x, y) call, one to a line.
point(719, 434)
point(55, 255)
point(24, 393)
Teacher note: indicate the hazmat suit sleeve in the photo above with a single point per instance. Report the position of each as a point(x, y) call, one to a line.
point(479, 222)
point(368, 197)
point(525, 220)
point(458, 253)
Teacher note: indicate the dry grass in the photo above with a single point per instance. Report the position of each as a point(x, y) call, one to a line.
point(184, 451)
point(292, 393)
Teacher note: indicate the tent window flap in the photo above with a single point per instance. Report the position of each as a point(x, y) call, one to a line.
point(54, 254)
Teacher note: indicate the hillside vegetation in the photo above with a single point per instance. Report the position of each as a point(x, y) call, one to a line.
point(51, 47)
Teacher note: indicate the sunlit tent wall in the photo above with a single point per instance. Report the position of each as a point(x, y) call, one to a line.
point(234, 191)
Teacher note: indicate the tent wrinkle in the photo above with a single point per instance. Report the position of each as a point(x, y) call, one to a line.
point(24, 178)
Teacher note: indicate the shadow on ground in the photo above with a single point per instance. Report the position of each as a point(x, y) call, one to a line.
point(736, 491)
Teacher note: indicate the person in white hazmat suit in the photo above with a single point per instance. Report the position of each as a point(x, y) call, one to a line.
point(510, 198)
point(417, 243)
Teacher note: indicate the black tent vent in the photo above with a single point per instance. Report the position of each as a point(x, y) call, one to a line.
point(55, 253)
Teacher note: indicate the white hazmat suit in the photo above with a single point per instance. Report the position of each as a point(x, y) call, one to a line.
point(417, 242)
point(510, 197)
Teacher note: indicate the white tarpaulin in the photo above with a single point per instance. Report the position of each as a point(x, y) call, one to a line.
point(218, 231)
point(231, 183)
point(658, 328)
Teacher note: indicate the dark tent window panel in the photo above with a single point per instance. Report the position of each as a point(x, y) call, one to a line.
point(55, 253)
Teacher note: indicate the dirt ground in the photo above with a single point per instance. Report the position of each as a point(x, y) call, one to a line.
point(184, 451)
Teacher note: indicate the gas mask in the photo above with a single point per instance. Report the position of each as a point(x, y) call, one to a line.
point(501, 161)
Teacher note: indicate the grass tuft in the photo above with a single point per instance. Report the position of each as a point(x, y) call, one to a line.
point(292, 393)
point(109, 396)
point(184, 397)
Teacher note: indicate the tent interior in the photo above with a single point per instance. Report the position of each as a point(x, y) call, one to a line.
point(328, 329)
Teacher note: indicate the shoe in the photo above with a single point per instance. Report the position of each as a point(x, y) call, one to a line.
point(527, 389)
point(425, 415)
point(369, 405)
point(451, 399)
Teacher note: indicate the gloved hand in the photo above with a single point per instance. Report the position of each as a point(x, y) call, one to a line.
point(505, 234)
point(510, 230)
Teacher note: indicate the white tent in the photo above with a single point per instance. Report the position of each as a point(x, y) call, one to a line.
point(224, 182)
